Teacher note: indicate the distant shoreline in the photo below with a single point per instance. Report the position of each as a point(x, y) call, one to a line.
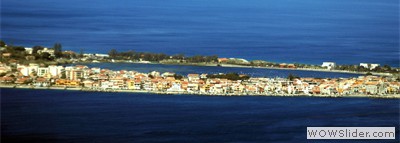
point(243, 66)
point(395, 96)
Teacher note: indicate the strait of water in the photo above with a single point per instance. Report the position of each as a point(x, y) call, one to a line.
point(305, 31)
point(74, 116)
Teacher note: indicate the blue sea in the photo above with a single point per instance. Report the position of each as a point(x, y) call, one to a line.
point(58, 116)
point(302, 31)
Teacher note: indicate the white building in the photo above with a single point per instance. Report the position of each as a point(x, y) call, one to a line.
point(240, 60)
point(74, 74)
point(48, 50)
point(373, 66)
point(96, 70)
point(55, 70)
point(4, 68)
point(102, 55)
point(155, 74)
point(106, 84)
point(193, 77)
point(329, 65)
point(369, 65)
point(176, 87)
point(167, 74)
point(26, 70)
point(365, 65)
point(28, 50)
point(192, 87)
point(23, 69)
point(42, 71)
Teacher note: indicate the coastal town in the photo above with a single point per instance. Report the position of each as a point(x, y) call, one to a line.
point(50, 68)
point(81, 77)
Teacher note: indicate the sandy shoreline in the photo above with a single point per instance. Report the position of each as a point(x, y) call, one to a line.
point(395, 96)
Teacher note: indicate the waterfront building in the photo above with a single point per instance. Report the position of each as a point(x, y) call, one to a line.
point(282, 65)
point(137, 84)
point(88, 83)
point(23, 80)
point(369, 66)
point(95, 70)
point(329, 65)
point(222, 60)
point(154, 74)
point(41, 82)
point(167, 74)
point(203, 76)
point(7, 79)
point(68, 83)
point(74, 74)
point(193, 77)
point(55, 70)
point(42, 71)
point(371, 87)
point(4, 68)
point(291, 66)
point(192, 87)
point(176, 87)
point(148, 85)
point(118, 82)
point(130, 84)
point(27, 70)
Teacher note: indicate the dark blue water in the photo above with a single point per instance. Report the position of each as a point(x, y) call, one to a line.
point(73, 116)
point(184, 70)
point(306, 31)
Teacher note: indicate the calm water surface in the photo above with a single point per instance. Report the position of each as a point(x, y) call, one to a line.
point(304, 31)
point(74, 116)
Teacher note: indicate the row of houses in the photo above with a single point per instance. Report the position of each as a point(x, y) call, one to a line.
point(95, 78)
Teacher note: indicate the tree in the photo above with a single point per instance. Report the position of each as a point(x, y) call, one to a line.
point(36, 48)
point(19, 49)
point(2, 43)
point(177, 76)
point(63, 74)
point(81, 53)
point(57, 50)
point(113, 53)
point(291, 77)
point(179, 56)
point(230, 76)
point(45, 56)
point(387, 67)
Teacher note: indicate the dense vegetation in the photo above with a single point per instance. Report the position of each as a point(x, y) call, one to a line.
point(157, 57)
point(9, 53)
point(230, 76)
